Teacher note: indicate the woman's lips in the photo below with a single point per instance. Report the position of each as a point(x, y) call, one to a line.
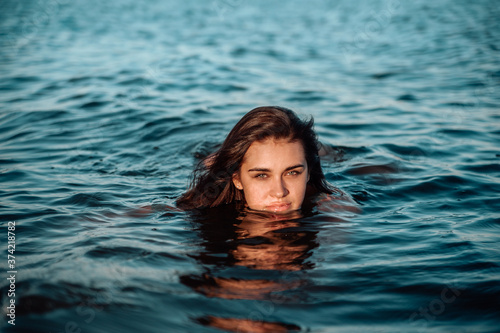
point(279, 207)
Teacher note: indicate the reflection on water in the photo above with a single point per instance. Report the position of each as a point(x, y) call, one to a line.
point(272, 242)
point(247, 325)
point(264, 251)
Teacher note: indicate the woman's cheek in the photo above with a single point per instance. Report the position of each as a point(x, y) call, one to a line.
point(255, 196)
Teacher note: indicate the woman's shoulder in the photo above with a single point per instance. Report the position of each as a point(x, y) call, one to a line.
point(337, 201)
point(151, 209)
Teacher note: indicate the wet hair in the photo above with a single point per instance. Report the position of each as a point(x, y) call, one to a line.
point(212, 184)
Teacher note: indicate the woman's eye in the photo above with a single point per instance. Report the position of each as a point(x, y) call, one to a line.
point(293, 173)
point(261, 175)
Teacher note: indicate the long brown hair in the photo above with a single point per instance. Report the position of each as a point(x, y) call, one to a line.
point(212, 185)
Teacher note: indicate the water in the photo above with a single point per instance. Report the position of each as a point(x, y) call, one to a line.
point(106, 107)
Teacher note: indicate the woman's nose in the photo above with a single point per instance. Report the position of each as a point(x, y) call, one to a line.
point(279, 189)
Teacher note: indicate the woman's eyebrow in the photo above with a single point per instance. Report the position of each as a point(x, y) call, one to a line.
point(260, 170)
point(269, 170)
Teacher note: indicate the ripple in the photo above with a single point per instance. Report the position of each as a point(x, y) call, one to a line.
point(486, 224)
point(384, 75)
point(136, 82)
point(307, 96)
point(86, 200)
point(435, 186)
point(82, 79)
point(372, 169)
point(483, 168)
point(91, 161)
point(362, 126)
point(94, 104)
point(75, 97)
point(460, 133)
point(13, 175)
point(405, 150)
point(162, 121)
point(121, 252)
point(407, 98)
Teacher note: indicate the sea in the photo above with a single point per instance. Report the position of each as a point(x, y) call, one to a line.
point(106, 107)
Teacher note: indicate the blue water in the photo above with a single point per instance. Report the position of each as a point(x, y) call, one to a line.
point(106, 106)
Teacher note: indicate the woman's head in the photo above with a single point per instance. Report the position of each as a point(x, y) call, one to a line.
point(268, 160)
point(273, 175)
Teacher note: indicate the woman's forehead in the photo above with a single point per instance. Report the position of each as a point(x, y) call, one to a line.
point(274, 152)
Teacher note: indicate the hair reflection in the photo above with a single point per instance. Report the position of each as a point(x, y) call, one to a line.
point(252, 256)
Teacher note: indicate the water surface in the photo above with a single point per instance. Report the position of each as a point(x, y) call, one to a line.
point(105, 107)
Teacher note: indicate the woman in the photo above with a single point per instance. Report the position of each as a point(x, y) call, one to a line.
point(268, 162)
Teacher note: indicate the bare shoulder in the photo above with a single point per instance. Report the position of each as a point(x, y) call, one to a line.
point(150, 209)
point(338, 201)
point(330, 153)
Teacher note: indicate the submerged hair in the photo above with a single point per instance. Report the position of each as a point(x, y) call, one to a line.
point(212, 184)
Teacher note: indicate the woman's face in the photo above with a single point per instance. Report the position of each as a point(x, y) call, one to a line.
point(273, 175)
